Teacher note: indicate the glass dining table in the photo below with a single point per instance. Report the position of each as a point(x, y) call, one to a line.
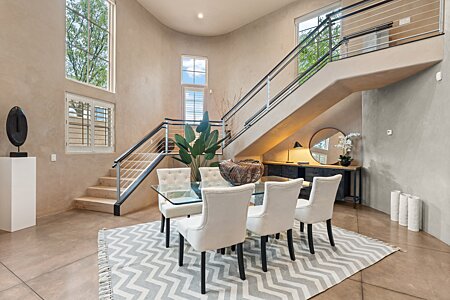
point(179, 194)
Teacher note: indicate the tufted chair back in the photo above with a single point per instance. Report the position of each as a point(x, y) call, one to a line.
point(211, 177)
point(322, 198)
point(224, 217)
point(173, 179)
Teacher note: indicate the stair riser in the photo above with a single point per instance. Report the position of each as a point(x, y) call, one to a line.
point(107, 181)
point(92, 192)
point(101, 207)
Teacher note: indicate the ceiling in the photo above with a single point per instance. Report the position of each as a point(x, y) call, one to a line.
point(220, 16)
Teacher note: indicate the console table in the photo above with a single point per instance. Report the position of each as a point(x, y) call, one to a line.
point(308, 172)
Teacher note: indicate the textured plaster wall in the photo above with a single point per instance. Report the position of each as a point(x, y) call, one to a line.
point(415, 158)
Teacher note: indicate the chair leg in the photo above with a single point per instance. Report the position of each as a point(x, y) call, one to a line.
point(167, 232)
point(203, 271)
point(181, 250)
point(290, 244)
point(188, 216)
point(163, 219)
point(302, 226)
point(263, 253)
point(240, 255)
point(222, 251)
point(310, 239)
point(277, 236)
point(330, 232)
point(233, 248)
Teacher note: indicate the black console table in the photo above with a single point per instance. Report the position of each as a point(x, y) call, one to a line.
point(308, 172)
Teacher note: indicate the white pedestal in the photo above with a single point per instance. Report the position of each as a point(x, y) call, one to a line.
point(17, 193)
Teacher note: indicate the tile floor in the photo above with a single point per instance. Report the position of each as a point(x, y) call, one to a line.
point(57, 259)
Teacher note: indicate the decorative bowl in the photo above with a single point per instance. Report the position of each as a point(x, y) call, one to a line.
point(241, 172)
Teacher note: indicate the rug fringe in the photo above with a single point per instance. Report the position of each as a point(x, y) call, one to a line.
point(104, 271)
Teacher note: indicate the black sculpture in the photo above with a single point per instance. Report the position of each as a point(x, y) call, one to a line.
point(17, 130)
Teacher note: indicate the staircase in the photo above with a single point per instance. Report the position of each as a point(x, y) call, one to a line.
point(366, 45)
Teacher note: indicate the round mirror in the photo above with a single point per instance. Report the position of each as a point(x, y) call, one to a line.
point(323, 146)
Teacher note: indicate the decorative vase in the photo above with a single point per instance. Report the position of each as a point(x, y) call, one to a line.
point(242, 172)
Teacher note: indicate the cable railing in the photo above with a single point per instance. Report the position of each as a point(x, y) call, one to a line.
point(360, 28)
point(135, 164)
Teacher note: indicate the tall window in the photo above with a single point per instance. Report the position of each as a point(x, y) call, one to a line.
point(194, 79)
point(320, 45)
point(89, 125)
point(90, 42)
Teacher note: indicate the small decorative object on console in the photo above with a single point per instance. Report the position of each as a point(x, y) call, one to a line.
point(242, 172)
point(17, 130)
point(346, 145)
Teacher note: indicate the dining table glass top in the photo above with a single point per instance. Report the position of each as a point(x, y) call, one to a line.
point(191, 192)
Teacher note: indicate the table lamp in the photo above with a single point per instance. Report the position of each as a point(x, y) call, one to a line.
point(296, 146)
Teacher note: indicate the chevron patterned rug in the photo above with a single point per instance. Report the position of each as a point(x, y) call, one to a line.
point(134, 264)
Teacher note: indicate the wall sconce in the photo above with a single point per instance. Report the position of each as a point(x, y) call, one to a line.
point(296, 146)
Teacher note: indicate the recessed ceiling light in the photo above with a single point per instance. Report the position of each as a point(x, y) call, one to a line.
point(200, 15)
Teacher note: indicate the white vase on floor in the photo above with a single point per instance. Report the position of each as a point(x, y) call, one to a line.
point(403, 210)
point(395, 199)
point(414, 213)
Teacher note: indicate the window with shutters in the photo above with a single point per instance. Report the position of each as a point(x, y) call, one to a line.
point(89, 125)
point(194, 80)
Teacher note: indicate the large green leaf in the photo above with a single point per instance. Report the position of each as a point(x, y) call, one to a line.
point(212, 140)
point(212, 149)
point(189, 133)
point(214, 164)
point(209, 156)
point(198, 148)
point(185, 157)
point(204, 123)
point(181, 142)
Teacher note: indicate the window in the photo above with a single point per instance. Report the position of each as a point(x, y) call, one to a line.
point(90, 42)
point(193, 103)
point(320, 46)
point(194, 70)
point(323, 144)
point(194, 79)
point(89, 125)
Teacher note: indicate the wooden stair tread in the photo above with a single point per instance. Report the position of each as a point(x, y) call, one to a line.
point(121, 178)
point(103, 187)
point(96, 200)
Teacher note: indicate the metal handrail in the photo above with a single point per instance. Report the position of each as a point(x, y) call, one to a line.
point(327, 24)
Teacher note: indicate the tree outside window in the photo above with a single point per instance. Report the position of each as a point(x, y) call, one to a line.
point(88, 41)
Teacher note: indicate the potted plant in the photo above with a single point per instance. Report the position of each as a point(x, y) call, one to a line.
point(198, 150)
point(346, 145)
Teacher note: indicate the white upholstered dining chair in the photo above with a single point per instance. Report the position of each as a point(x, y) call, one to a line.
point(221, 224)
point(211, 177)
point(319, 208)
point(276, 214)
point(175, 179)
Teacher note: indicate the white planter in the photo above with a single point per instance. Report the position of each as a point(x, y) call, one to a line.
point(403, 210)
point(17, 193)
point(395, 202)
point(414, 213)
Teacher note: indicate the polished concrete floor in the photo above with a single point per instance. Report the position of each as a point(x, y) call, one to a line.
point(57, 259)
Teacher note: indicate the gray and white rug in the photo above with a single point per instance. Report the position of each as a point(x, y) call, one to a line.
point(134, 264)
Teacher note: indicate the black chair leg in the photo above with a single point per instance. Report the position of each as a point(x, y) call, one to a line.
point(203, 273)
point(233, 248)
point(181, 251)
point(167, 232)
point(302, 226)
point(277, 236)
point(188, 216)
point(222, 251)
point(240, 255)
point(310, 239)
point(263, 253)
point(330, 232)
point(290, 244)
point(163, 219)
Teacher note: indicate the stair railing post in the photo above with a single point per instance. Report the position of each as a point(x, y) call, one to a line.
point(330, 38)
point(223, 134)
point(268, 92)
point(166, 148)
point(118, 180)
point(441, 16)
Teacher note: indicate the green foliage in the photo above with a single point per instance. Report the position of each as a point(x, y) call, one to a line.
point(87, 41)
point(198, 151)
